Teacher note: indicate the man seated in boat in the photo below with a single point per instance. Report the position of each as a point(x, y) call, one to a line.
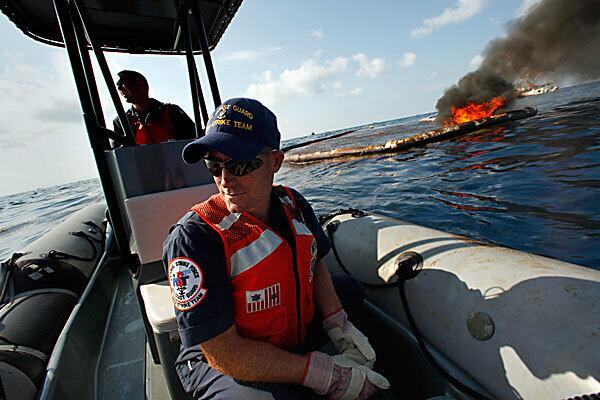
point(249, 287)
point(151, 121)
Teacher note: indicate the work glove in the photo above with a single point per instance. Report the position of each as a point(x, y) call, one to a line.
point(349, 341)
point(341, 378)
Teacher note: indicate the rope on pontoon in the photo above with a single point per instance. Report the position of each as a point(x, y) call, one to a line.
point(84, 235)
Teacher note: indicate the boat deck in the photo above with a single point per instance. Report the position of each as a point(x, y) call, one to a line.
point(120, 370)
point(125, 368)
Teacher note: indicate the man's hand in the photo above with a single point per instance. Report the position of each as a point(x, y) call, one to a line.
point(349, 341)
point(341, 378)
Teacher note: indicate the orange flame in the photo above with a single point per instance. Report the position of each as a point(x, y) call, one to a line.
point(473, 111)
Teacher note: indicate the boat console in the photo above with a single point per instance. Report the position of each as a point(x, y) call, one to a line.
point(155, 188)
point(147, 189)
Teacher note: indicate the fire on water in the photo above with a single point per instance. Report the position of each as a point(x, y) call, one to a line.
point(473, 111)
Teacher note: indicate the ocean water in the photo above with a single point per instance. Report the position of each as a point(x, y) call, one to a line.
point(24, 217)
point(533, 184)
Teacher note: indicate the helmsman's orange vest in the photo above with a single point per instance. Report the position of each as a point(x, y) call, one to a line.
point(159, 129)
point(272, 280)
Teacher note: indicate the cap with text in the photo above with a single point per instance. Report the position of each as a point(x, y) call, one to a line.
point(240, 128)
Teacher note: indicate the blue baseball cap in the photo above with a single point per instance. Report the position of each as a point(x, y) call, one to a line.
point(240, 128)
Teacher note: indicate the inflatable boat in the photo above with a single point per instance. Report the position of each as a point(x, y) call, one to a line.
point(518, 325)
point(86, 309)
point(40, 286)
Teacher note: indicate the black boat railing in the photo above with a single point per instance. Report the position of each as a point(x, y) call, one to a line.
point(210, 71)
point(81, 11)
point(78, 37)
point(191, 66)
point(79, 58)
point(190, 24)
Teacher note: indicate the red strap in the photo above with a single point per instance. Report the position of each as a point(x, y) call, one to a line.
point(306, 366)
point(331, 313)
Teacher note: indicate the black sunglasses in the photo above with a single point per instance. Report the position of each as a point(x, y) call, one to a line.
point(125, 81)
point(235, 167)
point(122, 82)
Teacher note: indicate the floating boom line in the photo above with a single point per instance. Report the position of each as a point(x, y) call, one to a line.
point(321, 139)
point(394, 146)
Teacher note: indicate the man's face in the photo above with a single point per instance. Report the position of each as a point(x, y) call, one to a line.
point(249, 193)
point(133, 90)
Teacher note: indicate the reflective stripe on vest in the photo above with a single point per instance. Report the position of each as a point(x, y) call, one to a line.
point(286, 200)
point(249, 256)
point(261, 270)
point(300, 228)
point(228, 221)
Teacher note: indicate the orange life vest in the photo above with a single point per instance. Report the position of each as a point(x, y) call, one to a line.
point(271, 279)
point(158, 130)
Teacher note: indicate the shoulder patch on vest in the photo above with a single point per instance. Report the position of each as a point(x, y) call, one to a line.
point(185, 280)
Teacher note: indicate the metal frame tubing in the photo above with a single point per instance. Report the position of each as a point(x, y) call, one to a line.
point(210, 71)
point(203, 109)
point(78, 60)
point(90, 79)
point(81, 34)
point(182, 13)
point(191, 65)
point(129, 138)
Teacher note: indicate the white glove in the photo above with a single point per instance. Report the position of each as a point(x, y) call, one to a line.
point(341, 378)
point(349, 341)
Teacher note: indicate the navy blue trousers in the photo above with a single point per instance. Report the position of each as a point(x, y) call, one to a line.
point(204, 382)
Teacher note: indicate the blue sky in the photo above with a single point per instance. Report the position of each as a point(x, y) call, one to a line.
point(319, 65)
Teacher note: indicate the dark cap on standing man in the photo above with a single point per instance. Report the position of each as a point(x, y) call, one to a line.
point(240, 128)
point(130, 76)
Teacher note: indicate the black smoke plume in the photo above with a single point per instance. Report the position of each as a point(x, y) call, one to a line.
point(557, 40)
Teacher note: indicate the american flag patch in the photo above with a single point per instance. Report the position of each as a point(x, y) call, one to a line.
point(258, 300)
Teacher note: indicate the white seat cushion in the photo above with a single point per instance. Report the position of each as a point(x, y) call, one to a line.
point(159, 307)
point(151, 216)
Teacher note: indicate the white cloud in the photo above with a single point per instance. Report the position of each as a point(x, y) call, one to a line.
point(526, 6)
point(371, 68)
point(241, 56)
point(494, 21)
point(119, 61)
point(308, 79)
point(318, 33)
point(462, 11)
point(407, 59)
point(36, 99)
point(45, 101)
point(249, 55)
point(476, 61)
point(339, 91)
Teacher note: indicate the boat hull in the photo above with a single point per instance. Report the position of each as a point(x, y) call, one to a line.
point(40, 286)
point(520, 325)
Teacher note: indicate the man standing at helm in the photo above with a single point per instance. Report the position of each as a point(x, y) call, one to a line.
point(247, 279)
point(151, 121)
